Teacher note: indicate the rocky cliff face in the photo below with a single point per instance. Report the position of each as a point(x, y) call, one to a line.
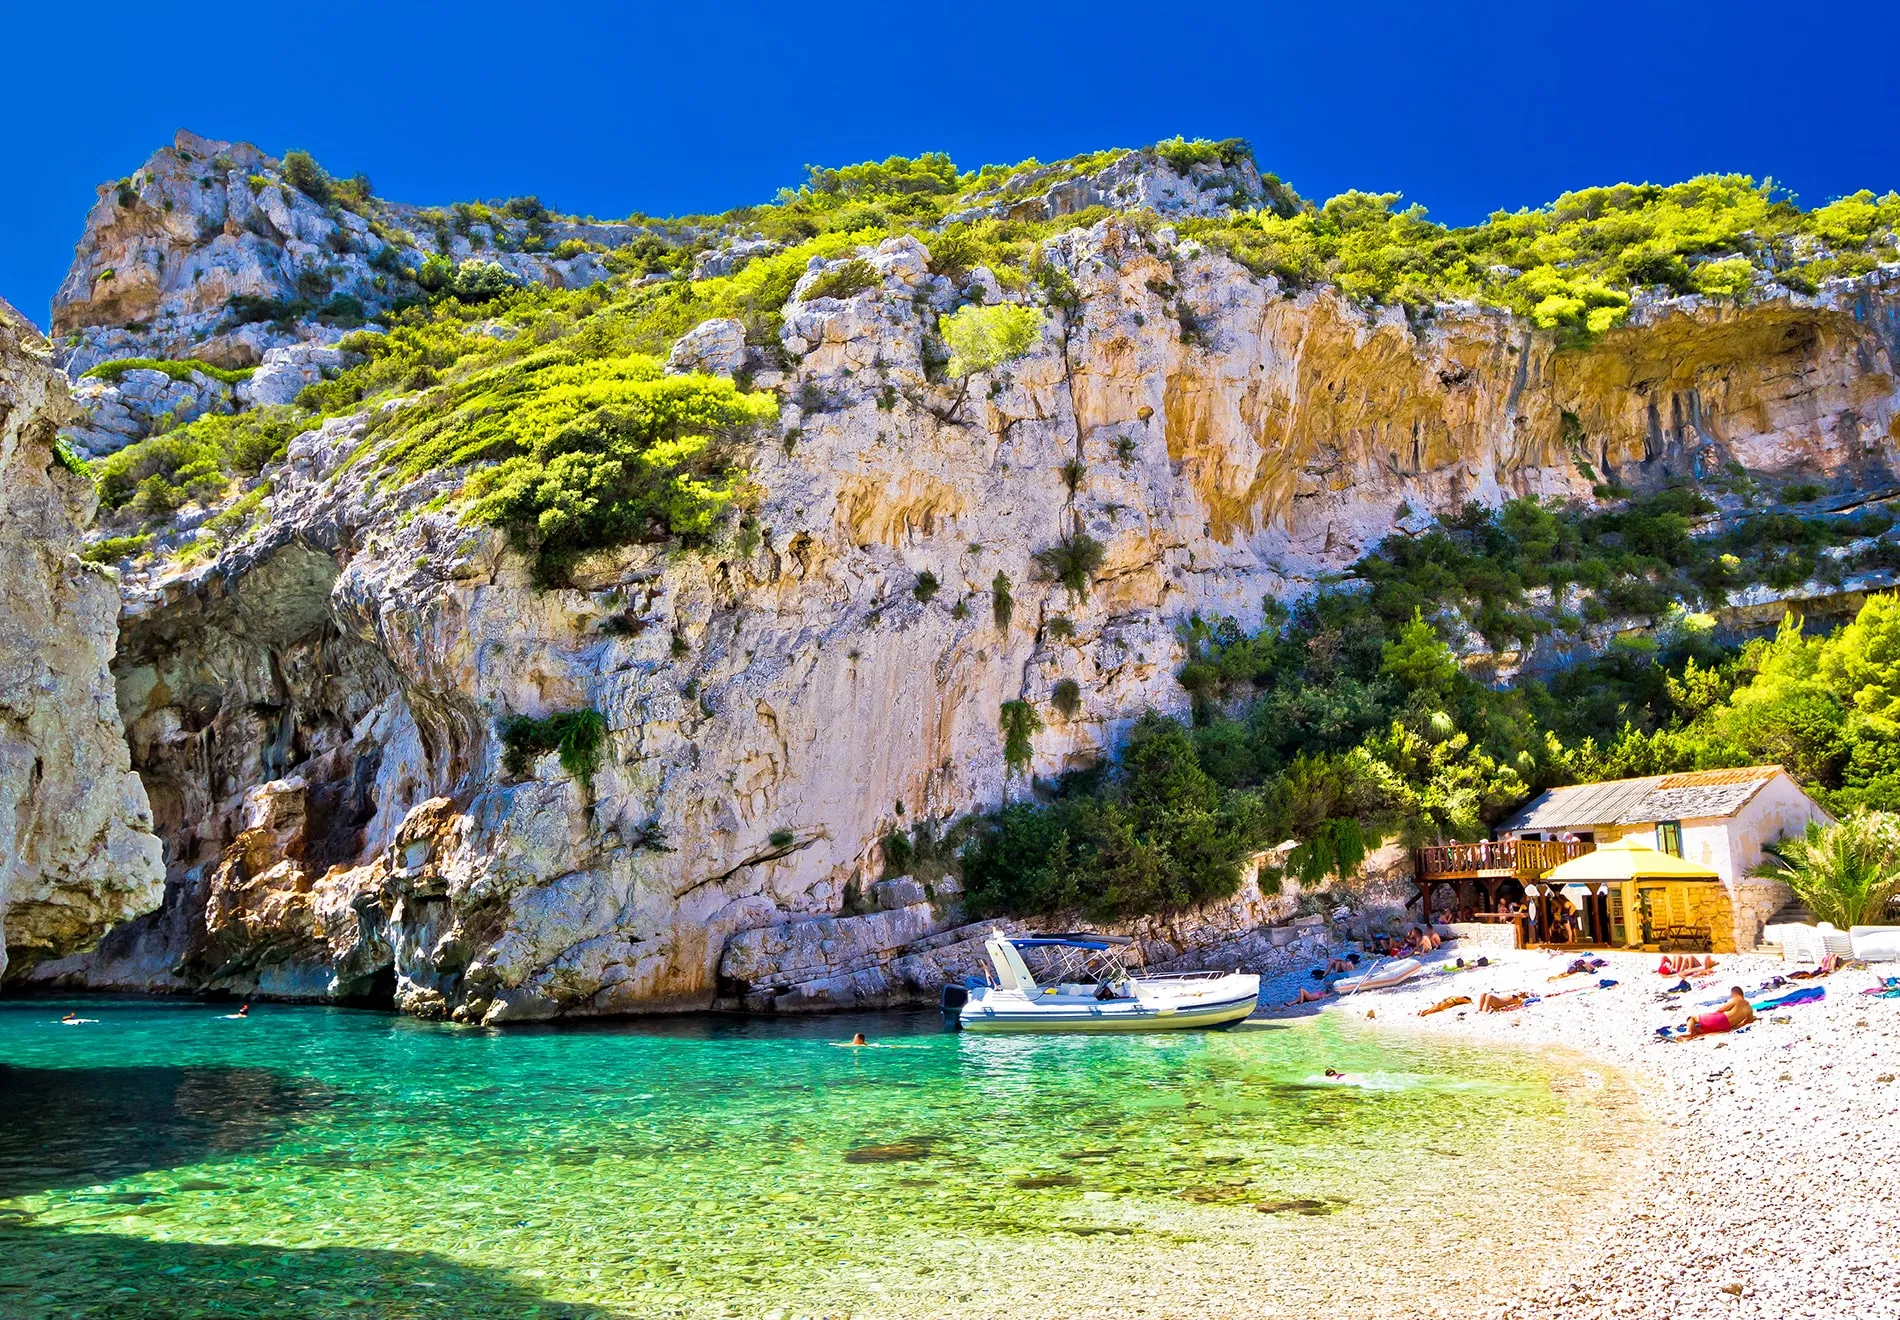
point(207, 251)
point(314, 714)
point(76, 848)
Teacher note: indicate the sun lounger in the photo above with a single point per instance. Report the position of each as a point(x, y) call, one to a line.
point(1835, 940)
point(1875, 943)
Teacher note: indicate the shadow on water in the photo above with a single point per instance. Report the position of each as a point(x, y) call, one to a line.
point(72, 1127)
point(59, 1274)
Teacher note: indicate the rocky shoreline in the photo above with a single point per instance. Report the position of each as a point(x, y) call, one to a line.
point(1770, 1188)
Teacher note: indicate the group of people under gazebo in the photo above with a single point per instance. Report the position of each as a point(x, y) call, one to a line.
point(1577, 902)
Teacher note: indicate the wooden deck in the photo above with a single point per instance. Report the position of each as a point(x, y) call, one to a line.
point(1515, 859)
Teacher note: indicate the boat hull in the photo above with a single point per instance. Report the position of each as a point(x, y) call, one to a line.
point(1020, 1015)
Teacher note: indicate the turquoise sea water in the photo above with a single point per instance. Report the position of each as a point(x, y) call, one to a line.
point(170, 1161)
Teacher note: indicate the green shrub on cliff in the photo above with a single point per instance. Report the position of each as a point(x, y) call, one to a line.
point(1072, 561)
point(984, 338)
point(302, 172)
point(604, 452)
point(578, 735)
point(1156, 834)
point(195, 461)
point(178, 369)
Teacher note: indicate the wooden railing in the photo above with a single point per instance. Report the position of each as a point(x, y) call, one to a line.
point(1521, 859)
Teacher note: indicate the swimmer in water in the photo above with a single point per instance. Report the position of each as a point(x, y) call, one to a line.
point(859, 1039)
point(245, 1011)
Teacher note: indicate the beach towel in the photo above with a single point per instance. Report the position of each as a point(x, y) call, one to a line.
point(1887, 989)
point(1807, 994)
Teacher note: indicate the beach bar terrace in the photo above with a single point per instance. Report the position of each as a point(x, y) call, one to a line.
point(1485, 875)
point(1692, 840)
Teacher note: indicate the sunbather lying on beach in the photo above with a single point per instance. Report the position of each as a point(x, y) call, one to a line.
point(1737, 1012)
point(1456, 1001)
point(1686, 965)
point(1309, 996)
point(1339, 965)
point(1495, 1003)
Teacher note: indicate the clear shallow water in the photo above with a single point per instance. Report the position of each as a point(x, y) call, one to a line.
point(170, 1161)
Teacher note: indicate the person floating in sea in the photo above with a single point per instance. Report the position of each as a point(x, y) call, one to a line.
point(1737, 1012)
point(74, 1020)
point(859, 1039)
point(245, 1009)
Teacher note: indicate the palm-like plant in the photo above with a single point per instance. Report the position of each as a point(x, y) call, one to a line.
point(1847, 874)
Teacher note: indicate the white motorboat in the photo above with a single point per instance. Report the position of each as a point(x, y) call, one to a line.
point(1392, 973)
point(1085, 986)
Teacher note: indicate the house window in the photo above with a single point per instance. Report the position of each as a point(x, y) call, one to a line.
point(1669, 837)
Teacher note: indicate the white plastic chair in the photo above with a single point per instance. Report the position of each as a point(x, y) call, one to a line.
point(1834, 940)
point(1876, 943)
point(1801, 943)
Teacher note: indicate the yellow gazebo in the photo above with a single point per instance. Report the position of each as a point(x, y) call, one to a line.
point(1655, 899)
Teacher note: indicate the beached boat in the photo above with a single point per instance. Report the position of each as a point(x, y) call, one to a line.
point(1085, 986)
point(1380, 977)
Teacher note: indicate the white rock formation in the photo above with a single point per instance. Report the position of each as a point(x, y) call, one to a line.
point(203, 222)
point(76, 848)
point(714, 347)
point(285, 371)
point(773, 714)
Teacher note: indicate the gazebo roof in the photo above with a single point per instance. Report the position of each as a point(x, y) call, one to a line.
point(1627, 859)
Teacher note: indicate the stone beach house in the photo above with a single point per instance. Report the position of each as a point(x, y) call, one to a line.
point(1722, 819)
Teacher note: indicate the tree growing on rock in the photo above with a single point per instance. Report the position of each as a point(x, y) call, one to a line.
point(984, 338)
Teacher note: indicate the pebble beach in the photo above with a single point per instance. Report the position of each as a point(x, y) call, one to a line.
point(1766, 1181)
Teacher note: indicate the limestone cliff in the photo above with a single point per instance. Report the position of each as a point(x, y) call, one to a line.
point(209, 251)
point(76, 848)
point(314, 713)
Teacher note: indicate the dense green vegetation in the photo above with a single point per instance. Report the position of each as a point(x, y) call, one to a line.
point(1636, 559)
point(593, 453)
point(178, 369)
point(197, 461)
point(1570, 266)
point(1348, 719)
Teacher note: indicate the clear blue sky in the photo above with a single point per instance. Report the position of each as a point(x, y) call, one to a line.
point(607, 109)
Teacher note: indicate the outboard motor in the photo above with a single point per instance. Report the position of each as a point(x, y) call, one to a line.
point(951, 1000)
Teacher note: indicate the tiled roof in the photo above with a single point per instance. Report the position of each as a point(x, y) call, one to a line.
point(1748, 774)
point(1693, 796)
